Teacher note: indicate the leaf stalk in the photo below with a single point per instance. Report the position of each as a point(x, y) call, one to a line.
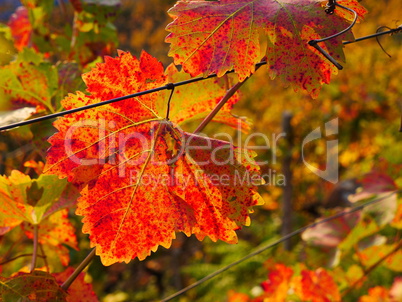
point(35, 247)
point(78, 270)
point(221, 103)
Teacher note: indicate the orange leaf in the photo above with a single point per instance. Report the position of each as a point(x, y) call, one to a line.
point(142, 178)
point(217, 36)
point(14, 208)
point(376, 294)
point(79, 290)
point(21, 28)
point(237, 297)
point(317, 286)
point(278, 283)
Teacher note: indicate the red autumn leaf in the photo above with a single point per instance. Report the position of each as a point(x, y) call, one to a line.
point(79, 290)
point(142, 178)
point(278, 283)
point(317, 286)
point(216, 36)
point(35, 286)
point(237, 297)
point(374, 183)
point(333, 232)
point(189, 102)
point(376, 294)
point(21, 28)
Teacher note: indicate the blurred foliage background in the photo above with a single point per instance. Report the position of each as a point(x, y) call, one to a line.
point(68, 38)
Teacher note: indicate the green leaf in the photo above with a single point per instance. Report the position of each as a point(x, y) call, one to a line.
point(35, 286)
point(19, 196)
point(390, 255)
point(52, 187)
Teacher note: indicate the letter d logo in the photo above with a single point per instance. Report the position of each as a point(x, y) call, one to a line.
point(331, 170)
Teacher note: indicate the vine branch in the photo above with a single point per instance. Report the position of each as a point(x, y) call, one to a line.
point(78, 270)
point(20, 256)
point(221, 103)
point(35, 247)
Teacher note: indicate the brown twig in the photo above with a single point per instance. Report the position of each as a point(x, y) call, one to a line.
point(20, 256)
point(371, 268)
point(35, 247)
point(78, 270)
point(221, 103)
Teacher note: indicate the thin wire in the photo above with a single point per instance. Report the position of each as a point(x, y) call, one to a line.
point(282, 239)
point(165, 87)
point(391, 31)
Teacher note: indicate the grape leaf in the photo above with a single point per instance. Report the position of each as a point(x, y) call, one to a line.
point(29, 80)
point(214, 37)
point(21, 28)
point(15, 193)
point(237, 297)
point(79, 290)
point(35, 286)
point(190, 102)
point(373, 254)
point(317, 286)
point(375, 294)
point(333, 232)
point(141, 177)
point(374, 183)
point(278, 283)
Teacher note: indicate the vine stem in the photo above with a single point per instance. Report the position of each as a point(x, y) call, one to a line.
point(371, 268)
point(221, 103)
point(20, 256)
point(78, 270)
point(35, 247)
